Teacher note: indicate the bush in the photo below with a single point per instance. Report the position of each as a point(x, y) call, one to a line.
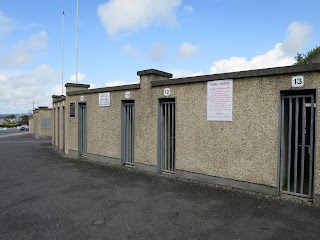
point(8, 125)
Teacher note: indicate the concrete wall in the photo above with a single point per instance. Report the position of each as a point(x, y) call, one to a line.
point(244, 150)
point(36, 124)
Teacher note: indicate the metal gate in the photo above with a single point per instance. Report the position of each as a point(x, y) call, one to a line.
point(297, 144)
point(167, 131)
point(127, 141)
point(82, 133)
point(54, 127)
point(58, 128)
point(63, 129)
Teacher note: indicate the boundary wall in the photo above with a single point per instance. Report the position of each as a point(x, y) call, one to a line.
point(244, 152)
point(40, 122)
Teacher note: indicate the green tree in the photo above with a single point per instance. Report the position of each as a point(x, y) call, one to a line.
point(24, 119)
point(302, 58)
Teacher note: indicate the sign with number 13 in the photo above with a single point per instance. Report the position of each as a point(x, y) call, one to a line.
point(297, 81)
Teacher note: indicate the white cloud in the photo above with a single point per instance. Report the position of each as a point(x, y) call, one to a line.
point(187, 50)
point(188, 9)
point(38, 40)
point(180, 73)
point(18, 55)
point(25, 51)
point(131, 51)
point(119, 83)
point(58, 89)
point(157, 52)
point(127, 15)
point(281, 55)
point(6, 24)
point(20, 90)
point(81, 76)
point(298, 35)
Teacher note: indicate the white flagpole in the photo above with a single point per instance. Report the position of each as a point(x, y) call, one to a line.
point(62, 70)
point(77, 41)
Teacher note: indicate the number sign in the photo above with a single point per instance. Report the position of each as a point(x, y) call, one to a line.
point(166, 92)
point(297, 81)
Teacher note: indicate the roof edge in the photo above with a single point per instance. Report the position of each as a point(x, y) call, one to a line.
point(242, 74)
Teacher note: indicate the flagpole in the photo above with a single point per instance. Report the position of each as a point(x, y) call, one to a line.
point(77, 41)
point(62, 70)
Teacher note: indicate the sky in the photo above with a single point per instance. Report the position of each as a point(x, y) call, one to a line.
point(117, 38)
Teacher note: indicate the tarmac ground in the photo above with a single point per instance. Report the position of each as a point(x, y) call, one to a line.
point(44, 195)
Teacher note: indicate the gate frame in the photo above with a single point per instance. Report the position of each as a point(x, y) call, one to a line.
point(296, 92)
point(63, 128)
point(123, 130)
point(160, 100)
point(79, 128)
point(58, 123)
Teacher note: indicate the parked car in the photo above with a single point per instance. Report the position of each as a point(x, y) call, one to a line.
point(24, 127)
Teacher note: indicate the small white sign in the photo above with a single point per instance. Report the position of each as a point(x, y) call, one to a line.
point(297, 81)
point(81, 98)
point(166, 92)
point(104, 99)
point(127, 95)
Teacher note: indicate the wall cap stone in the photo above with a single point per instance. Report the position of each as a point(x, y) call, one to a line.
point(154, 72)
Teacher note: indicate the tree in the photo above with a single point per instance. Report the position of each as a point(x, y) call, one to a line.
point(12, 116)
point(24, 119)
point(302, 58)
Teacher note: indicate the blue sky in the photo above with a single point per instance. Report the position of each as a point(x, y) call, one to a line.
point(117, 38)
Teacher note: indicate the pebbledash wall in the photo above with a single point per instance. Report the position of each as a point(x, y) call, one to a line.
point(249, 151)
point(40, 122)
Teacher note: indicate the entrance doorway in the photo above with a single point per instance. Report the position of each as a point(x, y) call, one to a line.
point(63, 129)
point(82, 131)
point(297, 143)
point(127, 137)
point(167, 135)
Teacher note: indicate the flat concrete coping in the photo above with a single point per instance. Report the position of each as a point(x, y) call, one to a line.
point(58, 98)
point(314, 67)
point(154, 72)
point(106, 89)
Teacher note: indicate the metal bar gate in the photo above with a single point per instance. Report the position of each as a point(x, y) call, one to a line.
point(297, 145)
point(82, 129)
point(128, 133)
point(58, 128)
point(54, 127)
point(167, 131)
point(63, 128)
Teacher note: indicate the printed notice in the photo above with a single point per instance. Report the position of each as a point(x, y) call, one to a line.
point(104, 99)
point(219, 100)
point(45, 123)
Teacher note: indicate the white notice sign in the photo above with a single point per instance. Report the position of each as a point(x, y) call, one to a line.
point(104, 99)
point(219, 100)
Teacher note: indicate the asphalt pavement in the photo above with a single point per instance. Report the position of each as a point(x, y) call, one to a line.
point(44, 195)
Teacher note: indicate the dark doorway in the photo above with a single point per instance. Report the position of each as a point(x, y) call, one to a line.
point(127, 125)
point(297, 143)
point(82, 133)
point(167, 135)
